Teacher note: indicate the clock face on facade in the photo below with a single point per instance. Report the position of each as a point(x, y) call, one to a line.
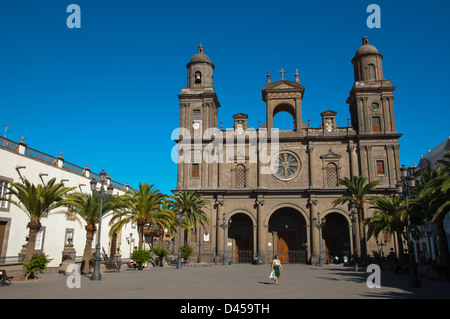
point(286, 166)
point(196, 125)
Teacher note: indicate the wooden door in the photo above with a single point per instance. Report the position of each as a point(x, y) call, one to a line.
point(332, 246)
point(2, 235)
point(286, 241)
point(242, 244)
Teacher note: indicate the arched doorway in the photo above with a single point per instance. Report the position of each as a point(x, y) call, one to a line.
point(288, 228)
point(241, 231)
point(336, 237)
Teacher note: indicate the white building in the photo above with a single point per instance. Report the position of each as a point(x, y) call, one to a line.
point(429, 239)
point(18, 160)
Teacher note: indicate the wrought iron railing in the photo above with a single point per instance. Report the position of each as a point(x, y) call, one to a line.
point(4, 142)
point(11, 260)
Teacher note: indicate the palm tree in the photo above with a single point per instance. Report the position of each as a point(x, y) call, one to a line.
point(37, 201)
point(87, 208)
point(435, 199)
point(358, 188)
point(389, 217)
point(142, 206)
point(192, 205)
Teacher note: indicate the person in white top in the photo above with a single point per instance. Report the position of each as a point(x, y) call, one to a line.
point(276, 267)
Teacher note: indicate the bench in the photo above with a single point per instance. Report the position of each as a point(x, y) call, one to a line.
point(111, 267)
point(5, 279)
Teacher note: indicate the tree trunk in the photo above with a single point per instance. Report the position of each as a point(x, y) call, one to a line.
point(400, 247)
point(34, 226)
point(87, 250)
point(361, 232)
point(141, 235)
point(443, 244)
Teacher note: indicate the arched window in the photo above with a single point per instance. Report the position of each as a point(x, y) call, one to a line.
point(239, 178)
point(371, 73)
point(332, 174)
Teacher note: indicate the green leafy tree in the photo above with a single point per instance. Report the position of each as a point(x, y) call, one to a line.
point(389, 217)
point(434, 197)
point(357, 190)
point(192, 206)
point(87, 208)
point(36, 201)
point(142, 206)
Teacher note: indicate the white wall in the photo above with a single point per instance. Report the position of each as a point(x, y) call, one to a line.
point(55, 224)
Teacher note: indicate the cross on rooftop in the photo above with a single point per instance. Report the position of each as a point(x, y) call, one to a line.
point(282, 73)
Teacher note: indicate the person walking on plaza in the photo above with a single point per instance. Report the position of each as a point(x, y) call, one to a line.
point(276, 267)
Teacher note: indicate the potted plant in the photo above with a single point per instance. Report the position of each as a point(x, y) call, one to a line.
point(141, 256)
point(161, 253)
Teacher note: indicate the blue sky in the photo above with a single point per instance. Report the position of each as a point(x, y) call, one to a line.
point(106, 94)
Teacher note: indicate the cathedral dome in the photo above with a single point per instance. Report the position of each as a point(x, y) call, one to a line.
point(366, 48)
point(200, 57)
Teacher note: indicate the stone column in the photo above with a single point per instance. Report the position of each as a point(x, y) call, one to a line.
point(261, 234)
point(314, 232)
point(311, 165)
point(353, 161)
point(370, 164)
point(390, 159)
point(219, 230)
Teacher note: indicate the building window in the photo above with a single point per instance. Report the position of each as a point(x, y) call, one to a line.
point(286, 166)
point(39, 243)
point(239, 180)
point(332, 175)
point(3, 190)
point(371, 73)
point(380, 168)
point(376, 124)
point(194, 170)
point(375, 106)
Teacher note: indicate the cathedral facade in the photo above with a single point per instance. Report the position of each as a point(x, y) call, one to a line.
point(271, 191)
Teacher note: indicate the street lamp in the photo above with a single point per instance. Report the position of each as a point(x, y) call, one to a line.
point(319, 223)
point(225, 225)
point(354, 217)
point(405, 188)
point(99, 194)
point(180, 218)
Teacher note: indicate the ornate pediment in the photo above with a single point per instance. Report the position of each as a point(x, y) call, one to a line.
point(284, 85)
point(330, 155)
point(283, 89)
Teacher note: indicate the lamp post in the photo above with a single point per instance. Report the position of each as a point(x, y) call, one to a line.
point(319, 223)
point(354, 217)
point(225, 225)
point(180, 218)
point(99, 194)
point(405, 188)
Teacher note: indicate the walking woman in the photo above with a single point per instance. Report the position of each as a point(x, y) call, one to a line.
point(276, 267)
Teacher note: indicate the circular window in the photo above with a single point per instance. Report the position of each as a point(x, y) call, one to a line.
point(286, 166)
point(375, 106)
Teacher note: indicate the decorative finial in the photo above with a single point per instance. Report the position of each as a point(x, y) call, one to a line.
point(268, 77)
point(296, 76)
point(365, 40)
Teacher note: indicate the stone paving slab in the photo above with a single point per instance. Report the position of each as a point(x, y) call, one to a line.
point(236, 281)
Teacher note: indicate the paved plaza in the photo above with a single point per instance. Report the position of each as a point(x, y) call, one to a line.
point(237, 281)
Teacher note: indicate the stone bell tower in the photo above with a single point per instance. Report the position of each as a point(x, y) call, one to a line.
point(198, 112)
